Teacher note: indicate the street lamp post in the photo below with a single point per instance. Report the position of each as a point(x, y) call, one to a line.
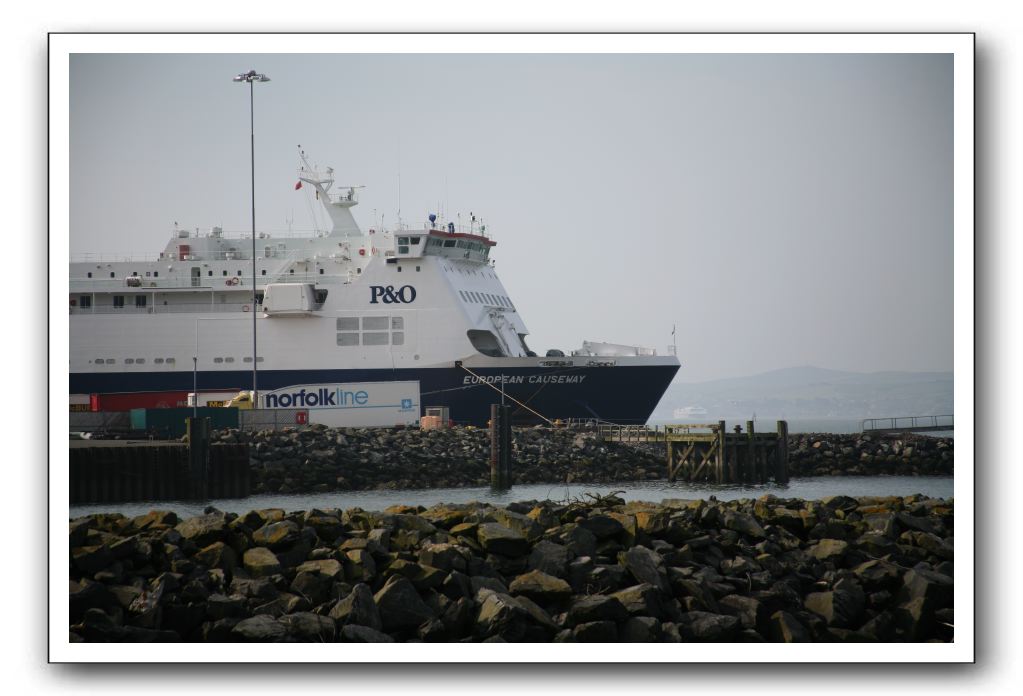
point(251, 77)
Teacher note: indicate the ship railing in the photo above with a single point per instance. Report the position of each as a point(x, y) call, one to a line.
point(177, 308)
point(87, 285)
point(113, 258)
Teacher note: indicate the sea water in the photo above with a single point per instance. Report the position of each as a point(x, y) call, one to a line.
point(809, 488)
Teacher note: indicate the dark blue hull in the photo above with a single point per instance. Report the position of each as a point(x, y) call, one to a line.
point(617, 394)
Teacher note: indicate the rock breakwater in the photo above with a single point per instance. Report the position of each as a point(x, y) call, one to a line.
point(318, 459)
point(601, 570)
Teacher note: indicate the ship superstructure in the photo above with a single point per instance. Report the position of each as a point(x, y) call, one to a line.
point(420, 303)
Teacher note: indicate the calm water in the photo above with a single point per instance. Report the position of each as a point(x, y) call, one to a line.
point(843, 426)
point(807, 488)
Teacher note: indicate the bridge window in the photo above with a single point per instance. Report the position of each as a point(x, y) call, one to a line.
point(118, 300)
point(374, 338)
point(348, 324)
point(210, 273)
point(374, 323)
point(89, 274)
point(224, 272)
point(348, 339)
point(111, 274)
point(414, 240)
point(397, 338)
point(449, 243)
point(85, 301)
point(140, 301)
point(156, 274)
point(397, 323)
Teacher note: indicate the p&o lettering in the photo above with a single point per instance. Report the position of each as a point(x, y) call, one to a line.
point(388, 295)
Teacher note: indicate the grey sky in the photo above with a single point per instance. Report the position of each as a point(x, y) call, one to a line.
point(782, 210)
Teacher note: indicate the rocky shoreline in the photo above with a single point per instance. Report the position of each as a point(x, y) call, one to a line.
point(595, 570)
point(319, 459)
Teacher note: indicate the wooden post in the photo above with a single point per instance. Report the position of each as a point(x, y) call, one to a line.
point(751, 454)
point(781, 463)
point(506, 446)
point(671, 462)
point(500, 447)
point(198, 457)
point(722, 456)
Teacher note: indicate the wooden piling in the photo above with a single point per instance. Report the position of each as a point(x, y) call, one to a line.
point(722, 441)
point(781, 464)
point(500, 447)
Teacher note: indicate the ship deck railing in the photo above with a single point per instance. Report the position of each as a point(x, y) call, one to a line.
point(177, 308)
point(208, 284)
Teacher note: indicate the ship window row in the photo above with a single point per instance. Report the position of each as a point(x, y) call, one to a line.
point(134, 274)
point(134, 361)
point(485, 298)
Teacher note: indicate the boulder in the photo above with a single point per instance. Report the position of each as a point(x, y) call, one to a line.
point(596, 607)
point(500, 615)
point(706, 627)
point(550, 558)
point(327, 567)
point(309, 628)
point(277, 535)
point(602, 526)
point(353, 633)
point(596, 632)
point(496, 538)
point(358, 608)
point(744, 524)
point(640, 599)
point(203, 530)
point(829, 550)
point(400, 605)
point(261, 628)
point(540, 586)
point(785, 628)
point(261, 562)
point(216, 555)
point(640, 629)
point(646, 566)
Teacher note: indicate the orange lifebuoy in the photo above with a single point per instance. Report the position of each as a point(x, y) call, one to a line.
point(245, 308)
point(300, 417)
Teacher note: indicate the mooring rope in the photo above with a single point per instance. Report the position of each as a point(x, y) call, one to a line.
point(503, 393)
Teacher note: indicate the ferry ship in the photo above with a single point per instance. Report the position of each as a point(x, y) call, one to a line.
point(337, 306)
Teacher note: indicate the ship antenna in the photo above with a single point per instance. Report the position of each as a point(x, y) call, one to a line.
point(399, 183)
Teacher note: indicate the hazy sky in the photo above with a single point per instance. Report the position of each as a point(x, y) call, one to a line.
point(782, 210)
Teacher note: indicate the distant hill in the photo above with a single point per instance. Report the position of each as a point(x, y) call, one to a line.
point(814, 392)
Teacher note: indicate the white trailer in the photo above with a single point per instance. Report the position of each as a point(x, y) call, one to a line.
point(351, 404)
